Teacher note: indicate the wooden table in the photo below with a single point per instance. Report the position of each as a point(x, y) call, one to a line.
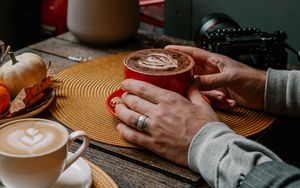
point(127, 167)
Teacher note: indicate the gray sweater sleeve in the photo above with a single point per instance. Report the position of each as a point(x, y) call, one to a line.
point(282, 93)
point(272, 174)
point(222, 157)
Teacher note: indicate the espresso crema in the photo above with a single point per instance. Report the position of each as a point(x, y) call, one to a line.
point(158, 61)
point(30, 138)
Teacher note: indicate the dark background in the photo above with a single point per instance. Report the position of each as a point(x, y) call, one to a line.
point(182, 16)
point(20, 22)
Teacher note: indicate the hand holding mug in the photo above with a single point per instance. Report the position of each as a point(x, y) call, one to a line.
point(168, 120)
point(225, 80)
point(156, 111)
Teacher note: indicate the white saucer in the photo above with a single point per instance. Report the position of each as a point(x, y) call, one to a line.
point(78, 175)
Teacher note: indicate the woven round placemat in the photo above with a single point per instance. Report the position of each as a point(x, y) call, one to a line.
point(100, 178)
point(81, 102)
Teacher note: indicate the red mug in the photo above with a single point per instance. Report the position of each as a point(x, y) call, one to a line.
point(175, 79)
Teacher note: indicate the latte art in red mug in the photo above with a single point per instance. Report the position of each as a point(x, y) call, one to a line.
point(31, 138)
point(158, 61)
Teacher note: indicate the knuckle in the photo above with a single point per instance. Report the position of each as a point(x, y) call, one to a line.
point(159, 147)
point(167, 97)
point(119, 109)
point(133, 137)
point(131, 119)
point(131, 101)
point(217, 60)
point(134, 104)
point(124, 97)
point(158, 114)
point(142, 89)
point(171, 98)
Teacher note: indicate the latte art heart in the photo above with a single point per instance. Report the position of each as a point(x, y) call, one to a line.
point(158, 61)
point(31, 131)
point(30, 139)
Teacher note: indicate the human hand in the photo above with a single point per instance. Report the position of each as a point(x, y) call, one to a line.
point(172, 119)
point(226, 81)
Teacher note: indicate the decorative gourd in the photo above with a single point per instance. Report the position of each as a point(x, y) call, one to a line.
point(22, 71)
point(4, 98)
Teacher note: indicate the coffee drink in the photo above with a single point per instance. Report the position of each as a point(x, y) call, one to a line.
point(159, 62)
point(33, 152)
point(168, 69)
point(29, 138)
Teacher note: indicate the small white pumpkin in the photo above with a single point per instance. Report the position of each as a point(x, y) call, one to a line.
point(22, 71)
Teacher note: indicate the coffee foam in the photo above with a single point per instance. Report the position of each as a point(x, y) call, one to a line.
point(31, 138)
point(158, 61)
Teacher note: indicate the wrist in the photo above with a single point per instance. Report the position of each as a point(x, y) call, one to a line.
point(261, 84)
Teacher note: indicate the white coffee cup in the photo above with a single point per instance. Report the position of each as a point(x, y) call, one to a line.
point(33, 152)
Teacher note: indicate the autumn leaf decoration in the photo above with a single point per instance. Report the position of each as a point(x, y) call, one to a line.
point(32, 97)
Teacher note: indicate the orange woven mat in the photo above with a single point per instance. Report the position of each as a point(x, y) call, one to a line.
point(81, 102)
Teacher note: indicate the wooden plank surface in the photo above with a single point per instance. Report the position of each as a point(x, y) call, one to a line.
point(129, 174)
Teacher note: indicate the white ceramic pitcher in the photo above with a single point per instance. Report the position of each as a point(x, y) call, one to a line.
point(103, 21)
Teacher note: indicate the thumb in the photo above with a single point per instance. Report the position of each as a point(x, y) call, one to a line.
point(213, 81)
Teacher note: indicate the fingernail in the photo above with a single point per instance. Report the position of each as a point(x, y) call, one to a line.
point(115, 101)
point(123, 96)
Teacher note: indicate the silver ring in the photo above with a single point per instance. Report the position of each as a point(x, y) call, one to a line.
point(141, 123)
